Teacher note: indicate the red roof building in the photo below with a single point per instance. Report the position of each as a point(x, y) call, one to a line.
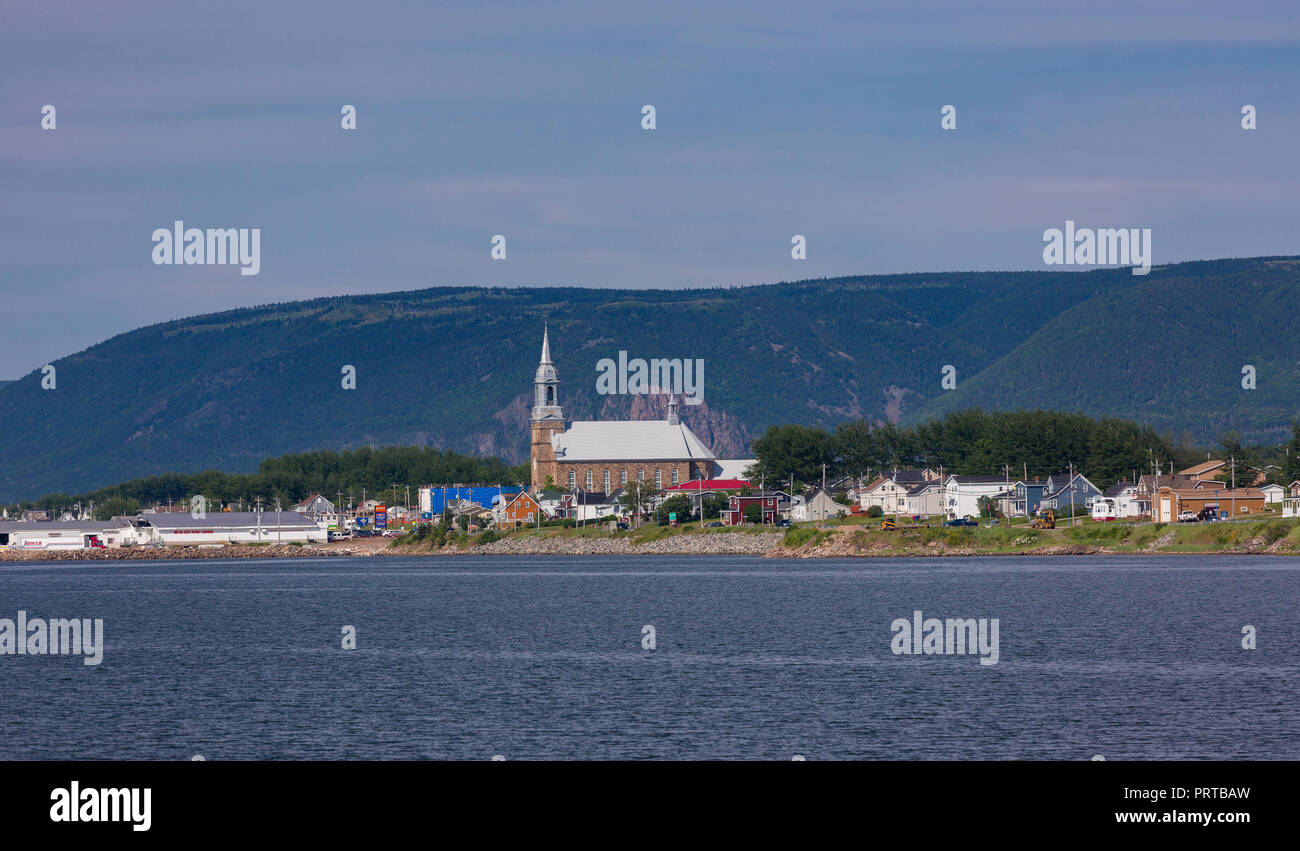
point(710, 485)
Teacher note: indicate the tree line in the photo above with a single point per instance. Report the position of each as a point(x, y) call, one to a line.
point(289, 479)
point(1012, 443)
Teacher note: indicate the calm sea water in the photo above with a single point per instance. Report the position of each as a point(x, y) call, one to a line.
point(1131, 658)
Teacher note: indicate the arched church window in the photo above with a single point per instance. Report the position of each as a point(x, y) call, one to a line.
point(588, 480)
point(573, 479)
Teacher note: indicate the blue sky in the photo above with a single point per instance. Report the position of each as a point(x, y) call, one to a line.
point(524, 120)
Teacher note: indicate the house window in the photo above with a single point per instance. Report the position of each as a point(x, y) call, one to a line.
point(674, 476)
point(573, 479)
point(607, 481)
point(659, 480)
point(622, 477)
point(640, 475)
point(588, 480)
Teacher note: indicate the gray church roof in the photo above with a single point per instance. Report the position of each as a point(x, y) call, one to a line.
point(629, 440)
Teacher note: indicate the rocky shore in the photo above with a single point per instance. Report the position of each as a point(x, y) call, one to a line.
point(754, 544)
point(152, 553)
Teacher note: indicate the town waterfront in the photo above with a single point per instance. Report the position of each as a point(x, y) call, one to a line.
point(1127, 657)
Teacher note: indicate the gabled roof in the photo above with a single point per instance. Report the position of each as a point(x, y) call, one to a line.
point(1202, 469)
point(921, 487)
point(1118, 488)
point(1071, 486)
point(629, 440)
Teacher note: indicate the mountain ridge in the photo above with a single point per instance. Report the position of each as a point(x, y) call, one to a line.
point(452, 367)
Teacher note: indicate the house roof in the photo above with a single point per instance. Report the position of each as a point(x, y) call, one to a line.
point(978, 480)
point(921, 487)
point(1118, 488)
point(732, 468)
point(1225, 494)
point(1202, 469)
point(596, 497)
point(710, 484)
point(1147, 481)
point(231, 520)
point(629, 440)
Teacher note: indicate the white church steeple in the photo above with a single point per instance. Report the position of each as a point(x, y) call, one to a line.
point(546, 385)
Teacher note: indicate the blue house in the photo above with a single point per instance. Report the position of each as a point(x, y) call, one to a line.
point(1029, 495)
point(1063, 491)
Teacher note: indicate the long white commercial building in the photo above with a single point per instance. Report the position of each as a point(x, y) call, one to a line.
point(167, 529)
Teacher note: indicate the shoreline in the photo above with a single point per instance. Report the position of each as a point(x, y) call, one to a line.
point(850, 541)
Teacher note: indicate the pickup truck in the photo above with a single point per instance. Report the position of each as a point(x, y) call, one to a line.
point(1188, 517)
point(960, 521)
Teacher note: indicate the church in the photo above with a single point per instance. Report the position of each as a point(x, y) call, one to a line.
point(605, 456)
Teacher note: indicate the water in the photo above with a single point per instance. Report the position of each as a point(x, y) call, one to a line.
point(466, 658)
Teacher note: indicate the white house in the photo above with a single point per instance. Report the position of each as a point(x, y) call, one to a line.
point(1124, 500)
point(1273, 493)
point(925, 500)
point(962, 493)
point(1103, 508)
point(314, 506)
point(889, 492)
point(817, 506)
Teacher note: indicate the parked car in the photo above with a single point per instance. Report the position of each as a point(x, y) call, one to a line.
point(960, 521)
point(783, 522)
point(715, 524)
point(622, 525)
point(1188, 517)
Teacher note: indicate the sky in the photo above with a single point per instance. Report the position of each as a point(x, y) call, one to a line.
point(525, 120)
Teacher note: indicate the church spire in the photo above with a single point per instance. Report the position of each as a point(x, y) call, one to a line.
point(672, 410)
point(546, 386)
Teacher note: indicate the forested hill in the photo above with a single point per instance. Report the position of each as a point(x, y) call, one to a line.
point(452, 367)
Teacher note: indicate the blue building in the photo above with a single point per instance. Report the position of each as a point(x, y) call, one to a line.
point(1064, 492)
point(434, 499)
point(1029, 495)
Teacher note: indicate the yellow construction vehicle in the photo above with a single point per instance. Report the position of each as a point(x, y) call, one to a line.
point(1044, 521)
point(887, 525)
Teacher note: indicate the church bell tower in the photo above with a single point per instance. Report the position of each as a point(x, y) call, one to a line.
point(547, 418)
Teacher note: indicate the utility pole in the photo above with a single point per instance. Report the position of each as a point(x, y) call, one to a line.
point(700, 490)
point(823, 496)
point(1234, 487)
point(1071, 493)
